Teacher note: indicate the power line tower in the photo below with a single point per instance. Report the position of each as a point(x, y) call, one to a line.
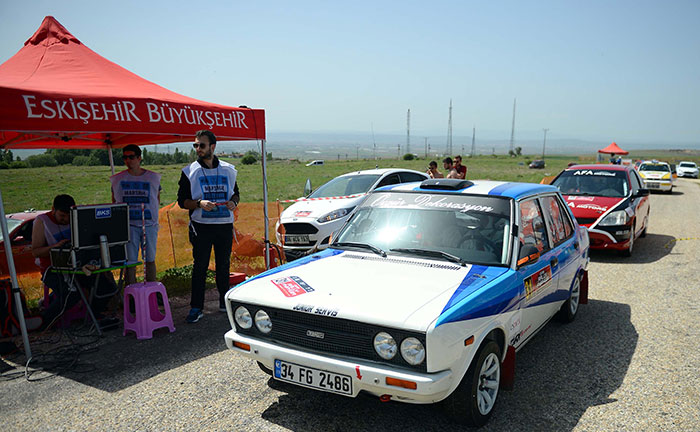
point(448, 151)
point(408, 131)
point(544, 142)
point(512, 130)
point(398, 151)
point(374, 142)
point(473, 142)
point(426, 147)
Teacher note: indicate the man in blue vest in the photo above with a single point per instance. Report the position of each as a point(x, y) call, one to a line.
point(140, 188)
point(208, 189)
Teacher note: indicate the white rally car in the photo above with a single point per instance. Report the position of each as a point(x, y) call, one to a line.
point(425, 294)
point(656, 175)
point(306, 226)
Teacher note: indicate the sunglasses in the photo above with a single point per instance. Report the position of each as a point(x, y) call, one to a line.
point(199, 145)
point(132, 157)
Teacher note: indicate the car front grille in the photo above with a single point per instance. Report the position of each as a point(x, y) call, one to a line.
point(340, 336)
point(299, 228)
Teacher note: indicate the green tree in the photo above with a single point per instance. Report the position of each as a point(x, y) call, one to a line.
point(41, 160)
point(408, 156)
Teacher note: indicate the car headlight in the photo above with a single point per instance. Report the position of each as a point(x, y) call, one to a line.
point(666, 176)
point(263, 321)
point(385, 345)
point(335, 214)
point(242, 317)
point(619, 217)
point(641, 174)
point(412, 351)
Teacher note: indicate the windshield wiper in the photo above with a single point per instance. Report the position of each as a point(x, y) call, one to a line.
point(431, 253)
point(363, 246)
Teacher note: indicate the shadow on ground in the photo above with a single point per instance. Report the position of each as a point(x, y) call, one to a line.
point(122, 361)
point(562, 372)
point(649, 249)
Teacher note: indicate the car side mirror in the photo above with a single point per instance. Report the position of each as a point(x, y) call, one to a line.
point(307, 187)
point(529, 254)
point(642, 192)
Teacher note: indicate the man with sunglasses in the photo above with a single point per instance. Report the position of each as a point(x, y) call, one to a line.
point(140, 188)
point(208, 189)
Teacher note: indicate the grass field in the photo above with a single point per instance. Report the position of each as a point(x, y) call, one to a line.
point(35, 187)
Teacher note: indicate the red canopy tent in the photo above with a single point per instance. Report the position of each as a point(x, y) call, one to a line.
point(613, 149)
point(58, 93)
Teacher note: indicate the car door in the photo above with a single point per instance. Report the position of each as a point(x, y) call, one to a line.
point(565, 251)
point(535, 270)
point(640, 203)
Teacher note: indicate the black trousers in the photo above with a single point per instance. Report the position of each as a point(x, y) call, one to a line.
point(203, 237)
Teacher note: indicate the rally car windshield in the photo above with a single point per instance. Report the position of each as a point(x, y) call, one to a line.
point(593, 182)
point(456, 228)
point(687, 165)
point(655, 167)
point(11, 224)
point(346, 185)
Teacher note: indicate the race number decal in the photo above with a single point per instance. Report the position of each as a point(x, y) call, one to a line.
point(535, 282)
point(292, 286)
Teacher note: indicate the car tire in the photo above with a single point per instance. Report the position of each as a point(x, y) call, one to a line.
point(569, 309)
point(472, 402)
point(264, 368)
point(630, 247)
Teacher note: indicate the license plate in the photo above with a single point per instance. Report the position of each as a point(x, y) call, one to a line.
point(296, 239)
point(313, 378)
point(652, 186)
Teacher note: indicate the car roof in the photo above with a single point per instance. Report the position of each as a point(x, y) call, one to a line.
point(607, 167)
point(380, 171)
point(513, 190)
point(26, 215)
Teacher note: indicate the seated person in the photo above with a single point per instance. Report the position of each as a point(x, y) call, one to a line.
point(52, 230)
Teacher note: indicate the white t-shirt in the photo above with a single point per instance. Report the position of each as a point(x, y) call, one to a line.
point(137, 190)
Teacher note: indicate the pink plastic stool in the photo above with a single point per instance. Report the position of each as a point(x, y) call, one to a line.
point(148, 316)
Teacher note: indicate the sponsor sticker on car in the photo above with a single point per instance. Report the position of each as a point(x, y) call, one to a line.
point(292, 286)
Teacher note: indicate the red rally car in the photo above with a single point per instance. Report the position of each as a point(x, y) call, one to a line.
point(610, 200)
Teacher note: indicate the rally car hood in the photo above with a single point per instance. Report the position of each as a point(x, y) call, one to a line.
point(395, 291)
point(654, 174)
point(590, 207)
point(315, 209)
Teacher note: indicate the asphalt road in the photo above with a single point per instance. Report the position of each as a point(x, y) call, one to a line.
point(630, 361)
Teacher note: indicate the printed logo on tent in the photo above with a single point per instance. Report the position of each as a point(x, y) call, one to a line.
point(292, 286)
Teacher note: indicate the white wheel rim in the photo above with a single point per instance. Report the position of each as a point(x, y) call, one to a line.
point(575, 294)
point(489, 379)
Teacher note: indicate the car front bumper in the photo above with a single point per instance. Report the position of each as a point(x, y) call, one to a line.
point(664, 185)
point(366, 376)
point(614, 237)
point(692, 174)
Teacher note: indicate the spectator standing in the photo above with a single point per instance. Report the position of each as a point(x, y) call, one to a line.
point(449, 168)
point(433, 171)
point(461, 169)
point(140, 189)
point(208, 189)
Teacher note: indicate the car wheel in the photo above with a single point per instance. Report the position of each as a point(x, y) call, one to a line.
point(628, 252)
point(264, 368)
point(568, 310)
point(473, 400)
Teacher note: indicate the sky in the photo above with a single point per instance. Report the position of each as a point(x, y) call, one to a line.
point(596, 70)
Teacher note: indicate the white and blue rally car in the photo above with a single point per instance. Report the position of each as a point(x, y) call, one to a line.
point(425, 294)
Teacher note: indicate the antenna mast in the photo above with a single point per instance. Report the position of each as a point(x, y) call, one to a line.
point(473, 142)
point(408, 131)
point(512, 130)
point(449, 131)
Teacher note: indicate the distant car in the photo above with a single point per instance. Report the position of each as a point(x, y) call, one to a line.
point(610, 200)
point(306, 226)
point(19, 226)
point(688, 169)
point(657, 175)
point(425, 295)
point(537, 164)
point(315, 162)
